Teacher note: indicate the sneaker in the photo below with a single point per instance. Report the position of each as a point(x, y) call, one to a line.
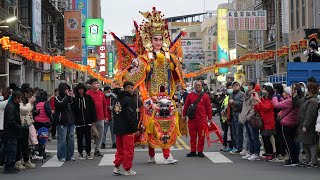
point(244, 152)
point(246, 156)
point(311, 165)
point(254, 157)
point(192, 154)
point(103, 146)
point(235, 151)
point(29, 165)
point(170, 161)
point(62, 160)
point(227, 149)
point(130, 173)
point(36, 157)
point(200, 154)
point(114, 146)
point(151, 160)
point(290, 164)
point(303, 164)
point(97, 153)
point(88, 156)
point(268, 158)
point(72, 159)
point(117, 171)
point(13, 171)
point(19, 166)
point(81, 157)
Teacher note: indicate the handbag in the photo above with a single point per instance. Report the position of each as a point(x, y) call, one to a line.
point(193, 107)
point(256, 121)
point(280, 118)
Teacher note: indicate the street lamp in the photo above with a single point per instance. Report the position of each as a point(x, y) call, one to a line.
point(9, 20)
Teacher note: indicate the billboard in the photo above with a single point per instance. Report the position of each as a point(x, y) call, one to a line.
point(36, 22)
point(72, 34)
point(192, 53)
point(110, 63)
point(82, 6)
point(222, 36)
point(102, 51)
point(247, 20)
point(94, 32)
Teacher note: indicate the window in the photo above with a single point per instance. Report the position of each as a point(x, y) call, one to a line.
point(298, 14)
point(303, 12)
point(193, 34)
point(270, 7)
point(291, 15)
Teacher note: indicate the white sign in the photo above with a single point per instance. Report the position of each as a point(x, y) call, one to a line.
point(247, 20)
point(36, 22)
point(192, 50)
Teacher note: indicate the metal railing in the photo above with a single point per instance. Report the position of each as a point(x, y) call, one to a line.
point(278, 78)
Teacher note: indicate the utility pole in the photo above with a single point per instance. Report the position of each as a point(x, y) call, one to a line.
point(277, 24)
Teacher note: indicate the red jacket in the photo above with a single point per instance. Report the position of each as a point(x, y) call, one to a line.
point(100, 103)
point(204, 109)
point(108, 99)
point(52, 103)
point(266, 110)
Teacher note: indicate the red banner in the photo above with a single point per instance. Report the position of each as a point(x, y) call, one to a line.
point(102, 50)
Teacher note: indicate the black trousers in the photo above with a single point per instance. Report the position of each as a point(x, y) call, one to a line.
point(291, 145)
point(53, 129)
point(225, 127)
point(10, 151)
point(23, 146)
point(2, 151)
point(267, 145)
point(84, 131)
point(279, 140)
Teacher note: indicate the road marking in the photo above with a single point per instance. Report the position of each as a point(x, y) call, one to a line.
point(53, 162)
point(184, 144)
point(159, 158)
point(217, 157)
point(136, 150)
point(107, 160)
point(178, 145)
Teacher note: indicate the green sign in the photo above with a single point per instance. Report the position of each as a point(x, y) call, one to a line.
point(94, 32)
point(110, 64)
point(58, 68)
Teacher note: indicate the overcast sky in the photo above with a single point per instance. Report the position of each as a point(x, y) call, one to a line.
point(118, 15)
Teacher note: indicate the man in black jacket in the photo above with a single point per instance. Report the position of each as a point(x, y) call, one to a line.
point(85, 113)
point(125, 126)
point(12, 131)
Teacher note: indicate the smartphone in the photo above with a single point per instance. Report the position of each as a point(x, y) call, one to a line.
point(254, 95)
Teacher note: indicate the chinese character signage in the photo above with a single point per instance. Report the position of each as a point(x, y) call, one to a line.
point(92, 62)
point(102, 51)
point(82, 6)
point(247, 20)
point(110, 63)
point(222, 36)
point(94, 32)
point(36, 22)
point(72, 35)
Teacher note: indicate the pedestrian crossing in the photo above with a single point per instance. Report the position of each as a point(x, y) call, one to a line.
point(107, 160)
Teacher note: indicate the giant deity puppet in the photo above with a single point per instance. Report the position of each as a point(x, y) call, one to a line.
point(154, 65)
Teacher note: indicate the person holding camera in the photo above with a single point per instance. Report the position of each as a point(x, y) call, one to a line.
point(198, 123)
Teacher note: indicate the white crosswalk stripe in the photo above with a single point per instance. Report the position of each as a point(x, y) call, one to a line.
point(217, 157)
point(107, 160)
point(53, 162)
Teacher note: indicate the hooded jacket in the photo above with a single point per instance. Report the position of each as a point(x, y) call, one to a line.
point(12, 121)
point(85, 111)
point(64, 113)
point(125, 121)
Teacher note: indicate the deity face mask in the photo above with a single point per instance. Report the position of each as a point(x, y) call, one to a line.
point(164, 105)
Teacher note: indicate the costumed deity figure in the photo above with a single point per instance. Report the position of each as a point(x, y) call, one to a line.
point(154, 66)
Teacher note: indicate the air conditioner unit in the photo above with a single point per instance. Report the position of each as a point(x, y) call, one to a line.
point(13, 10)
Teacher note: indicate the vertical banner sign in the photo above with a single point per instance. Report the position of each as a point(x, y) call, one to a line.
point(82, 6)
point(110, 63)
point(94, 32)
point(102, 55)
point(72, 34)
point(223, 48)
point(36, 22)
point(247, 20)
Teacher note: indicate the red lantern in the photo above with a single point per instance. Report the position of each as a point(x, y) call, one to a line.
point(279, 52)
point(271, 54)
point(303, 44)
point(5, 42)
point(294, 48)
point(20, 49)
point(315, 36)
point(285, 51)
point(13, 47)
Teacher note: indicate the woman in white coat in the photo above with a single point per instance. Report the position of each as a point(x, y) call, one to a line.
point(3, 105)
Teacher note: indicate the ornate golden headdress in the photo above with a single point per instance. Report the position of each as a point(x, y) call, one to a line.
point(154, 25)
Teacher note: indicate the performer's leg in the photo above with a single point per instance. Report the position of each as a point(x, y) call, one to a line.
point(193, 136)
point(151, 151)
point(119, 154)
point(128, 150)
point(166, 153)
point(201, 137)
